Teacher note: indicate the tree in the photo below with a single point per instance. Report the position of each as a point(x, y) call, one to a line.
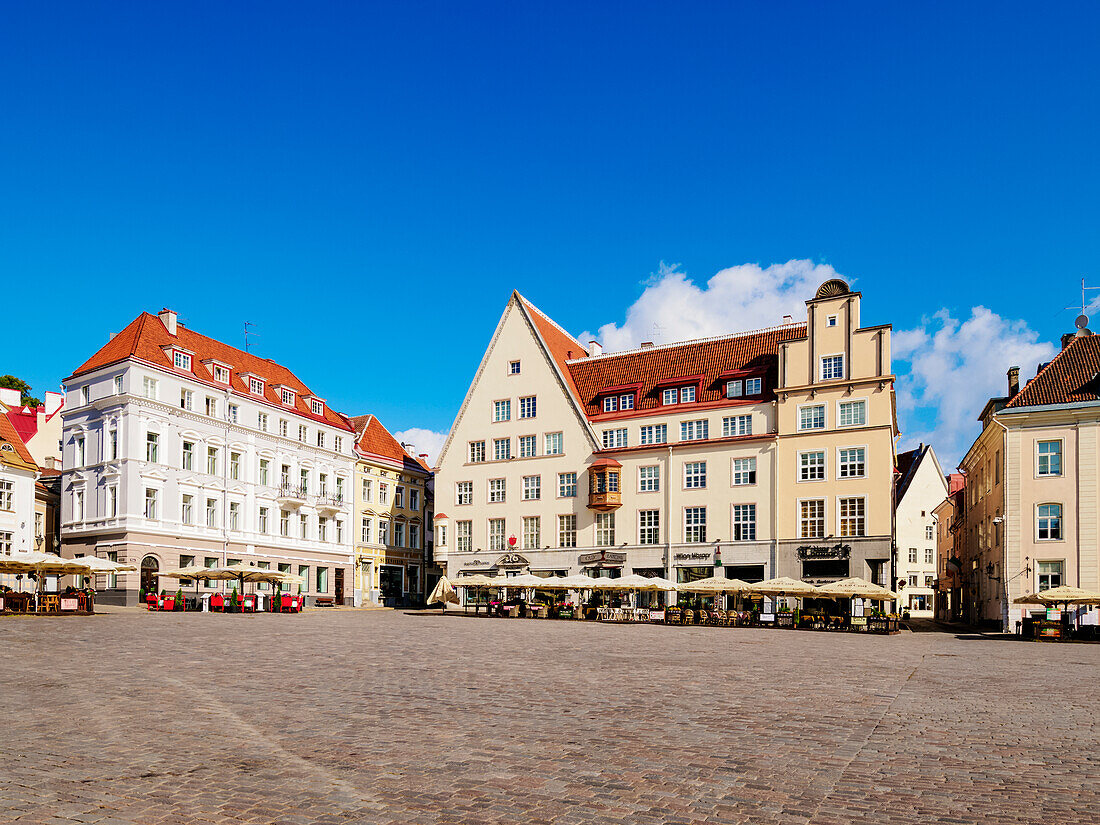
point(25, 397)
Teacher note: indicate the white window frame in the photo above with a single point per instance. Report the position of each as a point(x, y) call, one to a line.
point(695, 429)
point(840, 404)
point(743, 471)
point(754, 386)
point(695, 475)
point(554, 443)
point(800, 475)
point(649, 527)
point(497, 491)
point(181, 360)
point(734, 522)
point(824, 517)
point(732, 425)
point(528, 441)
point(528, 406)
point(824, 417)
point(464, 490)
point(828, 357)
point(1061, 457)
point(615, 439)
point(839, 519)
point(669, 396)
point(1061, 521)
point(476, 452)
point(497, 451)
point(626, 402)
point(610, 403)
point(688, 394)
point(652, 484)
point(565, 485)
point(840, 463)
point(532, 488)
point(502, 410)
point(735, 388)
point(701, 526)
point(655, 430)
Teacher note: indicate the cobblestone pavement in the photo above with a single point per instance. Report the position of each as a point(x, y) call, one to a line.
point(381, 717)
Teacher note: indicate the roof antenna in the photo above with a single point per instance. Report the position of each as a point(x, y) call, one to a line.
point(247, 332)
point(1084, 301)
point(658, 332)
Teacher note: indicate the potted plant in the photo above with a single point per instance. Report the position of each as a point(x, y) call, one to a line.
point(233, 601)
point(179, 599)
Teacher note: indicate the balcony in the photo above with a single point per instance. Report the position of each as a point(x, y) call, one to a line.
point(291, 496)
point(604, 488)
point(329, 505)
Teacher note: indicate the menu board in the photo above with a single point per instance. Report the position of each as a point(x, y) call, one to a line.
point(70, 604)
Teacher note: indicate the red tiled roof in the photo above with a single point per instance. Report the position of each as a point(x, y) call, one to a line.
point(374, 439)
point(754, 351)
point(25, 420)
point(145, 336)
point(1072, 376)
point(9, 435)
point(561, 344)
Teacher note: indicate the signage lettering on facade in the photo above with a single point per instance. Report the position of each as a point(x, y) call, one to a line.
point(476, 563)
point(692, 557)
point(814, 551)
point(605, 558)
point(512, 560)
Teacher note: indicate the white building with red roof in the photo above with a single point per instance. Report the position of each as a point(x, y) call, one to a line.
point(764, 453)
point(178, 449)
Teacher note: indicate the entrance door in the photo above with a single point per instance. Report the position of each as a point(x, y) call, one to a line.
point(390, 582)
point(339, 584)
point(149, 569)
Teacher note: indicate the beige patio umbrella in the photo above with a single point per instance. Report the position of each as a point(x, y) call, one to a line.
point(782, 586)
point(480, 580)
point(444, 592)
point(857, 588)
point(527, 580)
point(713, 584)
point(41, 564)
point(1061, 595)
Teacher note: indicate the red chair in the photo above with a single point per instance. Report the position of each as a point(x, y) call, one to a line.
point(168, 603)
point(151, 601)
point(286, 603)
point(217, 602)
point(249, 603)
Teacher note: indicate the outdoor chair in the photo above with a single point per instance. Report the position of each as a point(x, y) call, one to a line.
point(687, 617)
point(249, 605)
point(151, 601)
point(217, 602)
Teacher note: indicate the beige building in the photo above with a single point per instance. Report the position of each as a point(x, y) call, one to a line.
point(1032, 492)
point(392, 560)
point(768, 452)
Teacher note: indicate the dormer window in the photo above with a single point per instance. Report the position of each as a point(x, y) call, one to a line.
point(610, 403)
point(670, 396)
point(181, 360)
point(626, 402)
point(739, 387)
point(221, 374)
point(753, 386)
point(735, 389)
point(317, 406)
point(255, 386)
point(687, 395)
point(286, 396)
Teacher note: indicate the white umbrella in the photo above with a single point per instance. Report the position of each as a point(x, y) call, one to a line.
point(101, 567)
point(444, 592)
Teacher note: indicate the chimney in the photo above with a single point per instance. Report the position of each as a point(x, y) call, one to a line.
point(594, 349)
point(788, 319)
point(647, 344)
point(168, 318)
point(1013, 382)
point(1067, 338)
point(50, 463)
point(53, 401)
point(424, 457)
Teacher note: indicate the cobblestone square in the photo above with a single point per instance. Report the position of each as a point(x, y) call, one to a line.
point(383, 717)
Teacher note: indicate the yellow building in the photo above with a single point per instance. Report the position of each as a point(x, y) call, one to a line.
point(391, 503)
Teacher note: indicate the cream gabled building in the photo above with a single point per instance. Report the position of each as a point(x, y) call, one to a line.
point(391, 517)
point(921, 488)
point(771, 451)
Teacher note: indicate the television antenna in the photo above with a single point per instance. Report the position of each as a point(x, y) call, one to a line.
point(1079, 323)
point(248, 332)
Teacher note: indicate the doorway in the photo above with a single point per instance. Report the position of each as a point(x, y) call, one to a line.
point(391, 583)
point(149, 569)
point(339, 585)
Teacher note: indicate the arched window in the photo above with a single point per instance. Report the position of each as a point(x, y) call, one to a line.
point(1049, 522)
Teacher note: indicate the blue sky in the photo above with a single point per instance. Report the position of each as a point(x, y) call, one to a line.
point(368, 183)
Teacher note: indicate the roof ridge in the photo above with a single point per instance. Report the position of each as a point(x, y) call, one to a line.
point(690, 341)
point(1043, 371)
point(550, 320)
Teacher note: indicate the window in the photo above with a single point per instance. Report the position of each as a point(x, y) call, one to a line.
point(527, 407)
point(287, 397)
point(152, 447)
point(811, 466)
point(414, 535)
point(605, 529)
point(338, 444)
point(261, 422)
point(303, 571)
point(567, 485)
point(853, 463)
point(1050, 522)
point(744, 522)
point(502, 449)
point(853, 413)
point(187, 400)
point(527, 446)
point(303, 524)
point(303, 433)
point(614, 438)
point(112, 501)
point(744, 471)
point(366, 491)
point(118, 385)
point(912, 555)
point(398, 496)
point(735, 389)
point(317, 407)
point(929, 532)
point(811, 417)
point(496, 534)
point(234, 411)
point(693, 430)
point(649, 479)
point(262, 520)
point(830, 321)
point(754, 386)
point(322, 528)
point(610, 403)
point(626, 402)
point(442, 535)
point(150, 503)
point(221, 374)
point(364, 531)
point(929, 556)
point(321, 439)
point(532, 488)
point(383, 492)
point(669, 396)
point(532, 532)
point(255, 386)
point(284, 522)
point(567, 531)
point(265, 471)
point(79, 442)
point(464, 492)
point(464, 536)
point(477, 452)
point(322, 580)
point(812, 519)
point(1050, 458)
point(832, 367)
point(149, 387)
point(211, 512)
point(303, 479)
point(235, 466)
point(853, 517)
point(187, 509)
point(234, 515)
point(1050, 574)
point(112, 444)
point(212, 460)
point(5, 543)
point(695, 524)
point(687, 395)
point(736, 425)
point(78, 505)
point(496, 490)
point(913, 580)
point(211, 407)
point(554, 444)
point(655, 434)
point(695, 474)
point(502, 410)
point(513, 367)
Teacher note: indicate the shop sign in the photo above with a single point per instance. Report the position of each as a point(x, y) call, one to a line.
point(1054, 614)
point(692, 557)
point(820, 551)
point(511, 560)
point(69, 604)
point(859, 621)
point(602, 558)
point(475, 563)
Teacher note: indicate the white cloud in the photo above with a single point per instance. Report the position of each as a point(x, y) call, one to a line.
point(953, 369)
point(423, 441)
point(744, 297)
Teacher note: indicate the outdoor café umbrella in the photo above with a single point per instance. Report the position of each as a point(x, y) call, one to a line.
point(444, 592)
point(1061, 595)
point(857, 588)
point(101, 567)
point(713, 584)
point(41, 564)
point(783, 586)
